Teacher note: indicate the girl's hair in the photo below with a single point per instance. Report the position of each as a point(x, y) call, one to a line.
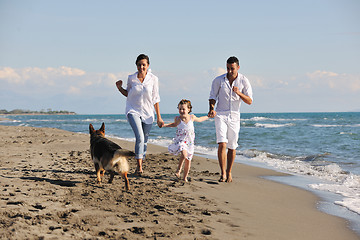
point(141, 57)
point(187, 102)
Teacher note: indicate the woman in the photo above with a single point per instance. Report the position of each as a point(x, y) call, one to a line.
point(142, 94)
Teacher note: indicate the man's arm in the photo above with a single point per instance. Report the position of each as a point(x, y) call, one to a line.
point(200, 119)
point(243, 97)
point(212, 112)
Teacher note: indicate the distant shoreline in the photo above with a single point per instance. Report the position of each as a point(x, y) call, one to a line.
point(31, 112)
point(3, 116)
point(15, 114)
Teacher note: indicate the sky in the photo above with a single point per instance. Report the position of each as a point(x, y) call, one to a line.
point(299, 56)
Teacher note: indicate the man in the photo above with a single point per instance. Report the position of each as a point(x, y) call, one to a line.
point(228, 90)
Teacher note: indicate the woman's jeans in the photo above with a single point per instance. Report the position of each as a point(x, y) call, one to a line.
point(141, 131)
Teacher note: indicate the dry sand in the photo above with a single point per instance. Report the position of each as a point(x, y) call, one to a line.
point(49, 191)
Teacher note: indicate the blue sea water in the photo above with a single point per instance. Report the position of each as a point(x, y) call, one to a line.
point(322, 150)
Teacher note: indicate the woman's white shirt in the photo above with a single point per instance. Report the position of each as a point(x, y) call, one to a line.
point(142, 96)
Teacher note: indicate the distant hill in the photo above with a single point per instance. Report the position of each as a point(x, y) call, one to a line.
point(48, 111)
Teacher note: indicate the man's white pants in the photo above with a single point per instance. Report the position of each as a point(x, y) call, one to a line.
point(227, 129)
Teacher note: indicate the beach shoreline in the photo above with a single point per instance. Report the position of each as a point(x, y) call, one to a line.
point(49, 191)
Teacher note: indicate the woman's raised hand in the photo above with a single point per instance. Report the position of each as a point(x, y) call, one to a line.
point(119, 84)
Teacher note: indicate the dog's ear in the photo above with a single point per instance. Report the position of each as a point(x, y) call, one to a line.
point(102, 129)
point(91, 128)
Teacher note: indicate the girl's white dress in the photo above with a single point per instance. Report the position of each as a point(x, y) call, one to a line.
point(184, 139)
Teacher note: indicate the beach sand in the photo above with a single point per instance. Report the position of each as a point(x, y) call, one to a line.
point(49, 191)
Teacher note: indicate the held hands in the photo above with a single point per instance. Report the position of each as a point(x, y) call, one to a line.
point(212, 113)
point(160, 123)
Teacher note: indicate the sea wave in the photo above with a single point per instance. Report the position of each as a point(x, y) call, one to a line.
point(121, 120)
point(90, 120)
point(335, 179)
point(346, 185)
point(335, 125)
point(11, 121)
point(272, 125)
point(347, 133)
point(256, 119)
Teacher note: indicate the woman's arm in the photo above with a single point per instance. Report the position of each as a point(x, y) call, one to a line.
point(200, 119)
point(160, 122)
point(121, 89)
point(173, 124)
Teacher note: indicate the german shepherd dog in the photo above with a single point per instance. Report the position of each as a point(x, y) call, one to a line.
point(107, 155)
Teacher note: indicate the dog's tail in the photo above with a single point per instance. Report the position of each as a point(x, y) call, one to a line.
point(120, 155)
point(125, 153)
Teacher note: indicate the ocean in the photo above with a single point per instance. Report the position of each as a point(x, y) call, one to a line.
point(320, 150)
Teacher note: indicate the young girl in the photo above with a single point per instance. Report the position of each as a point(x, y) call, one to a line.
point(183, 142)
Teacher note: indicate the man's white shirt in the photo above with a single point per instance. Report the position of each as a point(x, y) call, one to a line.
point(228, 102)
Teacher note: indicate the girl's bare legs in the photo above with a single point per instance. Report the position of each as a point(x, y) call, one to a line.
point(181, 162)
point(186, 169)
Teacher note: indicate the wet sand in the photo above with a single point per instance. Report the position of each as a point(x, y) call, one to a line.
point(48, 190)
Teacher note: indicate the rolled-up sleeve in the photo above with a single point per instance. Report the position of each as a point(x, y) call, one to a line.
point(215, 87)
point(155, 92)
point(128, 86)
point(247, 90)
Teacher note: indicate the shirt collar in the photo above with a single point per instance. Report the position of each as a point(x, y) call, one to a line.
point(148, 73)
point(225, 77)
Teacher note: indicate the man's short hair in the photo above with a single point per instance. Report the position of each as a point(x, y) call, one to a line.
point(232, 60)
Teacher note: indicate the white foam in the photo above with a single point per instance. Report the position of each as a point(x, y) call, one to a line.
point(89, 120)
point(346, 133)
point(259, 118)
point(347, 186)
point(326, 125)
point(161, 141)
point(10, 121)
point(335, 125)
point(205, 150)
point(274, 119)
point(336, 179)
point(121, 120)
point(271, 125)
point(353, 204)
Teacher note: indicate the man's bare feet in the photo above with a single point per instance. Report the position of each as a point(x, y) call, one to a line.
point(222, 178)
point(229, 178)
